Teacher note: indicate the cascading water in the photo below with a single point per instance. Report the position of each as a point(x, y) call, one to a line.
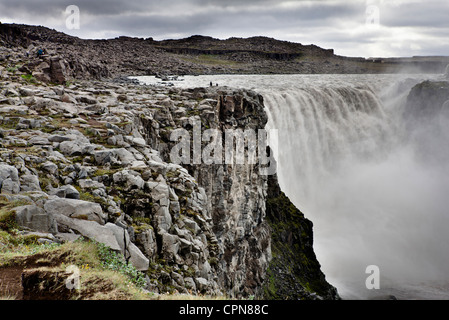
point(347, 159)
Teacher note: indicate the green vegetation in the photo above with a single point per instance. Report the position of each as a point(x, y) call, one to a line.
point(293, 255)
point(113, 261)
point(29, 78)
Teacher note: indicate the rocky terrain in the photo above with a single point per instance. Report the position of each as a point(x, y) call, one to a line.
point(89, 161)
point(77, 58)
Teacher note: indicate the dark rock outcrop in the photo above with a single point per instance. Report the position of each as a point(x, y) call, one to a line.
point(427, 119)
point(427, 100)
point(294, 272)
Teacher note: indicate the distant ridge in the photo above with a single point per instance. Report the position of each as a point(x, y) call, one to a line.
point(197, 54)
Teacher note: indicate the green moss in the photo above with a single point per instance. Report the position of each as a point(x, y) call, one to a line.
point(29, 78)
point(294, 272)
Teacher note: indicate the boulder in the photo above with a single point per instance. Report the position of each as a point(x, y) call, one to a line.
point(67, 191)
point(10, 186)
point(29, 182)
point(131, 179)
point(78, 209)
point(89, 229)
point(114, 156)
point(50, 167)
point(76, 148)
point(9, 179)
point(35, 218)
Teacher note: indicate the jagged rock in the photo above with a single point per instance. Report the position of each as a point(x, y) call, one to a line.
point(10, 186)
point(67, 237)
point(90, 184)
point(146, 241)
point(77, 209)
point(170, 246)
point(35, 218)
point(129, 250)
point(163, 219)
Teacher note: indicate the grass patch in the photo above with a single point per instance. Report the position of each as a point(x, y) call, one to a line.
point(29, 78)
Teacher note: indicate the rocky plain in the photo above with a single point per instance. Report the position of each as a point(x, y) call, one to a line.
point(84, 157)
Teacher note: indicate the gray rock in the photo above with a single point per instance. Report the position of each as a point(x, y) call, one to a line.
point(67, 191)
point(159, 190)
point(26, 92)
point(29, 182)
point(90, 184)
point(163, 219)
point(67, 237)
point(146, 241)
point(201, 284)
point(190, 284)
point(50, 167)
point(9, 179)
point(58, 138)
point(35, 218)
point(138, 260)
point(76, 148)
point(89, 229)
point(170, 246)
point(114, 156)
point(131, 179)
point(129, 250)
point(38, 140)
point(192, 225)
point(78, 209)
point(10, 186)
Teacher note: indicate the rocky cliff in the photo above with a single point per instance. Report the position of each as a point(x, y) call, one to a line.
point(92, 160)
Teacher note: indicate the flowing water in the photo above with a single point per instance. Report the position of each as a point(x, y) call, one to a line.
point(347, 159)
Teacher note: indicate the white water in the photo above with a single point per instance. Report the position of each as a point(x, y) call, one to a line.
point(346, 160)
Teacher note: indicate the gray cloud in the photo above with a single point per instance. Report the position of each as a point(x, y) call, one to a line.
point(334, 24)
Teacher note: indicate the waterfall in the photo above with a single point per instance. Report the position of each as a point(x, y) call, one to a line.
point(346, 160)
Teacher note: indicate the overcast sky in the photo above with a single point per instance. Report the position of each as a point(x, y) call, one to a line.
point(352, 27)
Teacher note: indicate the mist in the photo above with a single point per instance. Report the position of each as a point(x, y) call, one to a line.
point(375, 186)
